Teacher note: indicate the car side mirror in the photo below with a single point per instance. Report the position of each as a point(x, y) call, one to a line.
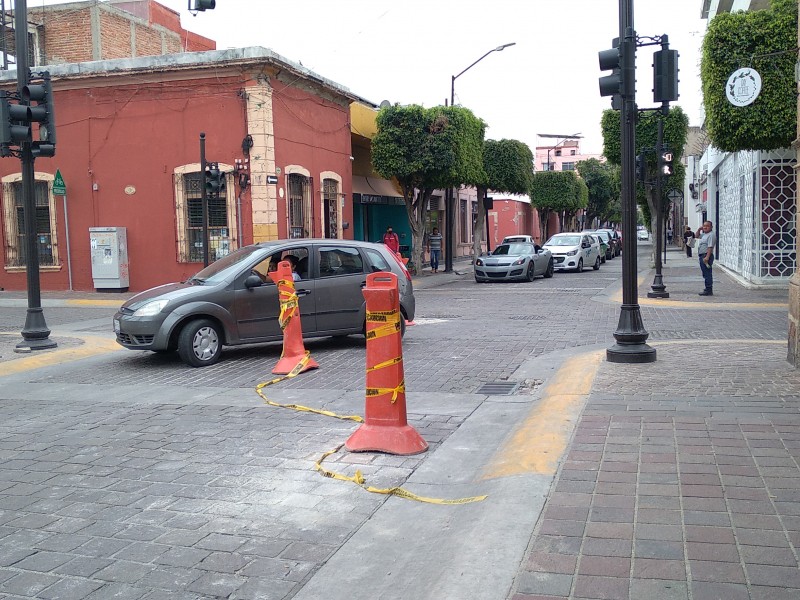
point(253, 281)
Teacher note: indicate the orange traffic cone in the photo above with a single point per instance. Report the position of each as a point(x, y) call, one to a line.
point(294, 352)
point(385, 427)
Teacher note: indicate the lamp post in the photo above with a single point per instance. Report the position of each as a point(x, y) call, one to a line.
point(449, 197)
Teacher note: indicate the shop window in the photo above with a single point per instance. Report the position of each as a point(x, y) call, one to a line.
point(14, 222)
point(189, 216)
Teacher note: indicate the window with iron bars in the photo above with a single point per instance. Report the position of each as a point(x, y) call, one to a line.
point(218, 229)
point(298, 205)
point(330, 189)
point(15, 251)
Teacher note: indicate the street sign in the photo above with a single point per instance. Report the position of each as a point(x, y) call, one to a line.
point(59, 187)
point(675, 195)
point(272, 179)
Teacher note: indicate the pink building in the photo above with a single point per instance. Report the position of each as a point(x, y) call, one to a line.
point(561, 155)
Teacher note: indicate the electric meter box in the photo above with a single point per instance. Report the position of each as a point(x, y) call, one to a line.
point(109, 250)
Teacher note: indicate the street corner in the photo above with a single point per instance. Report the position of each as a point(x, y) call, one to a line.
point(15, 358)
point(538, 443)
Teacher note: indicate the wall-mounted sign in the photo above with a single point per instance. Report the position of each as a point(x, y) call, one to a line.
point(743, 87)
point(130, 190)
point(272, 179)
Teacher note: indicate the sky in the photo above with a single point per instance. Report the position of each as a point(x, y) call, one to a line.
point(406, 51)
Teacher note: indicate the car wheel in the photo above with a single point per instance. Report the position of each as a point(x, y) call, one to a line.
point(550, 269)
point(200, 343)
point(596, 265)
point(579, 268)
point(603, 259)
point(530, 275)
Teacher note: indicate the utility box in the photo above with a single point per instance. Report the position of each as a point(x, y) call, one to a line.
point(109, 249)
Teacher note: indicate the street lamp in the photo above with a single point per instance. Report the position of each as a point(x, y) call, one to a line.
point(449, 198)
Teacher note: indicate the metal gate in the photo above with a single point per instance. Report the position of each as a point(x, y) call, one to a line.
point(298, 205)
point(330, 189)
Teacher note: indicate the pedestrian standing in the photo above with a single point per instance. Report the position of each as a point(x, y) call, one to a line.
point(435, 249)
point(390, 239)
point(705, 252)
point(688, 240)
point(669, 235)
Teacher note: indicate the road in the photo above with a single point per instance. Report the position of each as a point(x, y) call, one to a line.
point(132, 475)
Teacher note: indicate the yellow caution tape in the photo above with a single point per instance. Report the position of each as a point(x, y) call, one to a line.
point(293, 373)
point(359, 480)
point(288, 300)
point(400, 389)
point(390, 320)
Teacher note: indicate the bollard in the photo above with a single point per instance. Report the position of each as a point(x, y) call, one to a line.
point(385, 427)
point(294, 352)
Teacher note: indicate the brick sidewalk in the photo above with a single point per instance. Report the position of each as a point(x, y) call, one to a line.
point(687, 490)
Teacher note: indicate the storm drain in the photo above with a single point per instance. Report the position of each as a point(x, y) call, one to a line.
point(499, 388)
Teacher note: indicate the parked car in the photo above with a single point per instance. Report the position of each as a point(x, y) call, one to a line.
point(615, 239)
point(642, 234)
point(574, 251)
point(608, 245)
point(526, 239)
point(513, 262)
point(233, 301)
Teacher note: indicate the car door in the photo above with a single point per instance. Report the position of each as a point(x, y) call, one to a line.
point(256, 309)
point(340, 279)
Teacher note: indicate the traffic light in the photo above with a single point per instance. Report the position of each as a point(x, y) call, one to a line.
point(665, 76)
point(641, 168)
point(14, 124)
point(215, 180)
point(201, 5)
point(665, 163)
point(611, 60)
point(42, 112)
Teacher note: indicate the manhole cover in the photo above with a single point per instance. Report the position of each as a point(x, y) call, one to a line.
point(499, 388)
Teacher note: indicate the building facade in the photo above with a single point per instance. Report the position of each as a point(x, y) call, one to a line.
point(129, 153)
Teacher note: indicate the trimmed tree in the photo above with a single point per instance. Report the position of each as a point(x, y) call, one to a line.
point(508, 165)
point(554, 191)
point(599, 178)
point(427, 149)
point(766, 41)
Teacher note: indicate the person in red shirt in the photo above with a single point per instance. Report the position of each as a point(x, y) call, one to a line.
point(391, 239)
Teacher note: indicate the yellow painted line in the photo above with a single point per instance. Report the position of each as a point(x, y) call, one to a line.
point(92, 346)
point(98, 303)
point(538, 443)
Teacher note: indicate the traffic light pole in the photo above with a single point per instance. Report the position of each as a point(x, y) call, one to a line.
point(658, 289)
point(630, 334)
point(35, 334)
point(203, 197)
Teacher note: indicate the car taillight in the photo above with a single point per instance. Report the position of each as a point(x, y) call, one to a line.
point(402, 264)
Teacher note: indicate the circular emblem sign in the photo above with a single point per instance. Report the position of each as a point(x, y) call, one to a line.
point(743, 87)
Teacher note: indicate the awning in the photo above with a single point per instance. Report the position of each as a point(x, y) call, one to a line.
point(374, 186)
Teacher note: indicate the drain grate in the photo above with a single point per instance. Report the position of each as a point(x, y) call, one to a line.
point(499, 388)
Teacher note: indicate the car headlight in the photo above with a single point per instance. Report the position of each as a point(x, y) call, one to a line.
point(572, 252)
point(151, 308)
point(519, 261)
point(478, 262)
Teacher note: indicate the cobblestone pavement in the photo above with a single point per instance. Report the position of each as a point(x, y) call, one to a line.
point(131, 475)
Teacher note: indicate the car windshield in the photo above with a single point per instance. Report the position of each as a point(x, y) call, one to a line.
point(564, 240)
point(222, 268)
point(603, 235)
point(512, 249)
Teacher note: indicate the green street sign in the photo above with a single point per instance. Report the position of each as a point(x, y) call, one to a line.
point(59, 187)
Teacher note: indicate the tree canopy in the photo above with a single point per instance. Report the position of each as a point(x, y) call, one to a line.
point(602, 188)
point(766, 41)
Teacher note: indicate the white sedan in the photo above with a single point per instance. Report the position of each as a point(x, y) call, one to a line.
point(642, 234)
point(574, 251)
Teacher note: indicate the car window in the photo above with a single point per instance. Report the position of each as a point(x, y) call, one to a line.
point(563, 240)
point(339, 260)
point(377, 261)
point(225, 266)
point(298, 256)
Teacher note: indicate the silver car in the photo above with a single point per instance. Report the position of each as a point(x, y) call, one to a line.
point(514, 262)
point(233, 301)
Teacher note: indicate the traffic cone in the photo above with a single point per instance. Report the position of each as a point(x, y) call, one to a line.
point(294, 352)
point(385, 427)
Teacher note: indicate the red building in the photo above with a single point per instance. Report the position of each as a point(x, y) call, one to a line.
point(129, 152)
